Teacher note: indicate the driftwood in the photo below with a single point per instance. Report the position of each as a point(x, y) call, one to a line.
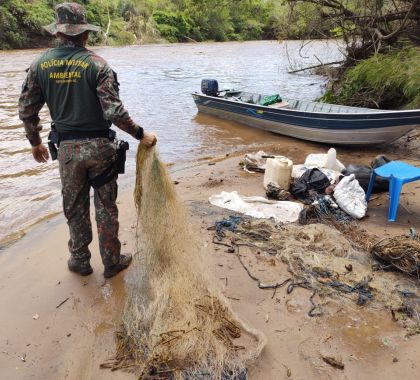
point(315, 66)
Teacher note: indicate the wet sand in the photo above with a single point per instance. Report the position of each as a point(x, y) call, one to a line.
point(42, 337)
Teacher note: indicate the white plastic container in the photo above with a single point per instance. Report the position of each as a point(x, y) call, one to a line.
point(279, 171)
point(327, 161)
point(330, 162)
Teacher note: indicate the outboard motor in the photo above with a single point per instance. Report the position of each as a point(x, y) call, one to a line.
point(210, 87)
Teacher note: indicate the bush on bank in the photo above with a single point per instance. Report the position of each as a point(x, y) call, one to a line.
point(388, 81)
point(21, 21)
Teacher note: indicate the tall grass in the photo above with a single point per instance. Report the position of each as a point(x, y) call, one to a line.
point(389, 80)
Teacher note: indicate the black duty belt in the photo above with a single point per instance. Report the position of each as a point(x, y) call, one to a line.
point(54, 138)
point(84, 135)
point(116, 167)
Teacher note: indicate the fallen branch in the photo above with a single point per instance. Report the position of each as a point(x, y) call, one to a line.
point(189, 39)
point(399, 29)
point(315, 66)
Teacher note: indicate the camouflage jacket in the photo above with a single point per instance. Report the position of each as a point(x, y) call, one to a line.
point(32, 99)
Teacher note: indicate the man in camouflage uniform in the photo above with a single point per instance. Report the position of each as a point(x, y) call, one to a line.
point(81, 92)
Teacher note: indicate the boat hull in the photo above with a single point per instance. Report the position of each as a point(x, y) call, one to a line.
point(337, 129)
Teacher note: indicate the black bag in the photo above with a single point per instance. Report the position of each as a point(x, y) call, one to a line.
point(309, 185)
point(379, 161)
point(363, 172)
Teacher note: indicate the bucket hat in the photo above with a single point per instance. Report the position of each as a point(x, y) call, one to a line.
point(70, 20)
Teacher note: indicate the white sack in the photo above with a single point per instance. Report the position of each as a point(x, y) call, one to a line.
point(258, 207)
point(350, 196)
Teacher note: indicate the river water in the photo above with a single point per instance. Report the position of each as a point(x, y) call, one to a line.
point(156, 86)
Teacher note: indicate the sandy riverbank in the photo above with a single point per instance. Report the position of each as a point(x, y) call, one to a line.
point(69, 340)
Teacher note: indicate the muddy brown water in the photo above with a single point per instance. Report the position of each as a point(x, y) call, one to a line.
point(156, 86)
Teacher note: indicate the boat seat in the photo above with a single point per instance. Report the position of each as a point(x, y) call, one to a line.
point(282, 104)
point(251, 98)
point(397, 173)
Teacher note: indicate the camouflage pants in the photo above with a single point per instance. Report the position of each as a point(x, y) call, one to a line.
point(80, 160)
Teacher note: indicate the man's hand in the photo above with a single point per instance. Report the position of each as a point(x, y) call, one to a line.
point(40, 153)
point(149, 140)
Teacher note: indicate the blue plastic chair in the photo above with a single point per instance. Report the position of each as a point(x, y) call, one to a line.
point(397, 173)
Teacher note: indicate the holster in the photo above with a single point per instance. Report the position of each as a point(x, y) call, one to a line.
point(122, 147)
point(53, 142)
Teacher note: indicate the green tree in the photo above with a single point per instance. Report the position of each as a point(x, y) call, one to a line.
point(128, 21)
point(21, 22)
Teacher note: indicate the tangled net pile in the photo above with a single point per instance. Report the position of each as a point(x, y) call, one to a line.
point(358, 236)
point(401, 252)
point(319, 258)
point(176, 325)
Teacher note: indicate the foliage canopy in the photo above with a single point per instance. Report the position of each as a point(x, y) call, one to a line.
point(130, 21)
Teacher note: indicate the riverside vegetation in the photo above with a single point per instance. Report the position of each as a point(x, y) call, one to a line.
point(389, 80)
point(130, 21)
point(381, 37)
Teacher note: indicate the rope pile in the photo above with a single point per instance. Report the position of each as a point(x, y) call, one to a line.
point(400, 252)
